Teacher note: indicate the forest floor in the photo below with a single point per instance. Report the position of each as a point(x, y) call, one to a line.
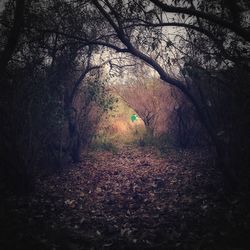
point(133, 199)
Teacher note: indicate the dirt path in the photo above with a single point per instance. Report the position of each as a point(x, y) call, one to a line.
point(134, 199)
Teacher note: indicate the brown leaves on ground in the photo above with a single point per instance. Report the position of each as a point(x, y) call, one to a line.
point(135, 199)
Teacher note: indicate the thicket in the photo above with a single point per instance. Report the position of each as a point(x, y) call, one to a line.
point(52, 96)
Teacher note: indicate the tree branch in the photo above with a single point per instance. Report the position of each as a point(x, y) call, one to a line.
point(212, 18)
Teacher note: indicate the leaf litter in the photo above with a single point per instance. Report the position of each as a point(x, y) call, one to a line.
point(134, 199)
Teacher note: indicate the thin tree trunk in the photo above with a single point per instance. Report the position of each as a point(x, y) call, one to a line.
point(75, 142)
point(61, 139)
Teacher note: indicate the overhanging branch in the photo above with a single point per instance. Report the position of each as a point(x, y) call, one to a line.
point(210, 17)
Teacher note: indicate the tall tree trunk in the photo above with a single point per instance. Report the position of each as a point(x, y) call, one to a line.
point(75, 142)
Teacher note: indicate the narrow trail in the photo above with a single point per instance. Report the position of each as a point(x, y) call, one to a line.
point(134, 199)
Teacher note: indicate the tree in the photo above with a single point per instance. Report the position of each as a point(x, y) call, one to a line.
point(44, 75)
point(151, 100)
point(127, 22)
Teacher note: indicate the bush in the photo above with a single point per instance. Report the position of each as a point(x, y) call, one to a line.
point(103, 144)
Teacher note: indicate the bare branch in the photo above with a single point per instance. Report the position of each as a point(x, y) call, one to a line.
point(212, 18)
